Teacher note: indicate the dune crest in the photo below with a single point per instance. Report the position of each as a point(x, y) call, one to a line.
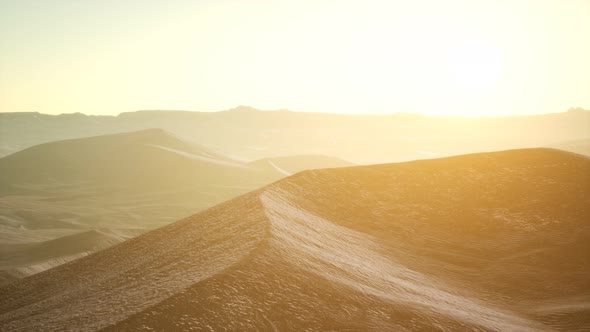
point(382, 247)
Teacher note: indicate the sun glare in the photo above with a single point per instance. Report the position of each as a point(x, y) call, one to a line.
point(434, 69)
point(474, 66)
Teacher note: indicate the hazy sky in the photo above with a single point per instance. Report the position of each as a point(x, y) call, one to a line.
point(435, 57)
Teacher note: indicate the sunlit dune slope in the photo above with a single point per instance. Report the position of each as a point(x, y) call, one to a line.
point(120, 184)
point(490, 241)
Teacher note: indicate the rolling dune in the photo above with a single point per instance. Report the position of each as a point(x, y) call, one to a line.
point(489, 241)
point(121, 185)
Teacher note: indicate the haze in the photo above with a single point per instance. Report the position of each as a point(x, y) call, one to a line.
point(294, 165)
point(432, 57)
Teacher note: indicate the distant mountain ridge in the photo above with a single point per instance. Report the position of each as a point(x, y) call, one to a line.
point(487, 241)
point(250, 134)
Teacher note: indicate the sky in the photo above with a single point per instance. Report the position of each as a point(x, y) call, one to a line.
point(454, 57)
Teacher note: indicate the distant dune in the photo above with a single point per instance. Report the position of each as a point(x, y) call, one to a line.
point(34, 257)
point(488, 241)
point(579, 146)
point(293, 164)
point(114, 187)
point(250, 134)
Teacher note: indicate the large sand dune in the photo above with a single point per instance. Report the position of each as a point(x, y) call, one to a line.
point(112, 188)
point(490, 241)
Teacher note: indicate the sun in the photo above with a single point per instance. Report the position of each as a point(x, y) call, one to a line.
point(474, 66)
point(429, 69)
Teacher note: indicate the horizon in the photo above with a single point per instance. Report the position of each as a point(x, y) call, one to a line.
point(434, 58)
point(242, 108)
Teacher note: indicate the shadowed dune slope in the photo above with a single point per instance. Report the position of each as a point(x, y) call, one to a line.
point(23, 259)
point(127, 159)
point(489, 241)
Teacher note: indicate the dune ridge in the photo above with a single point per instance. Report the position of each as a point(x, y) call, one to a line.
point(122, 184)
point(382, 247)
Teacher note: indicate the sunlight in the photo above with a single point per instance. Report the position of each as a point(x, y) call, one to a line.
point(474, 66)
point(386, 64)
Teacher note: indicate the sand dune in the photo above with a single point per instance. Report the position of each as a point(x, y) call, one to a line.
point(118, 186)
point(490, 241)
point(35, 252)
